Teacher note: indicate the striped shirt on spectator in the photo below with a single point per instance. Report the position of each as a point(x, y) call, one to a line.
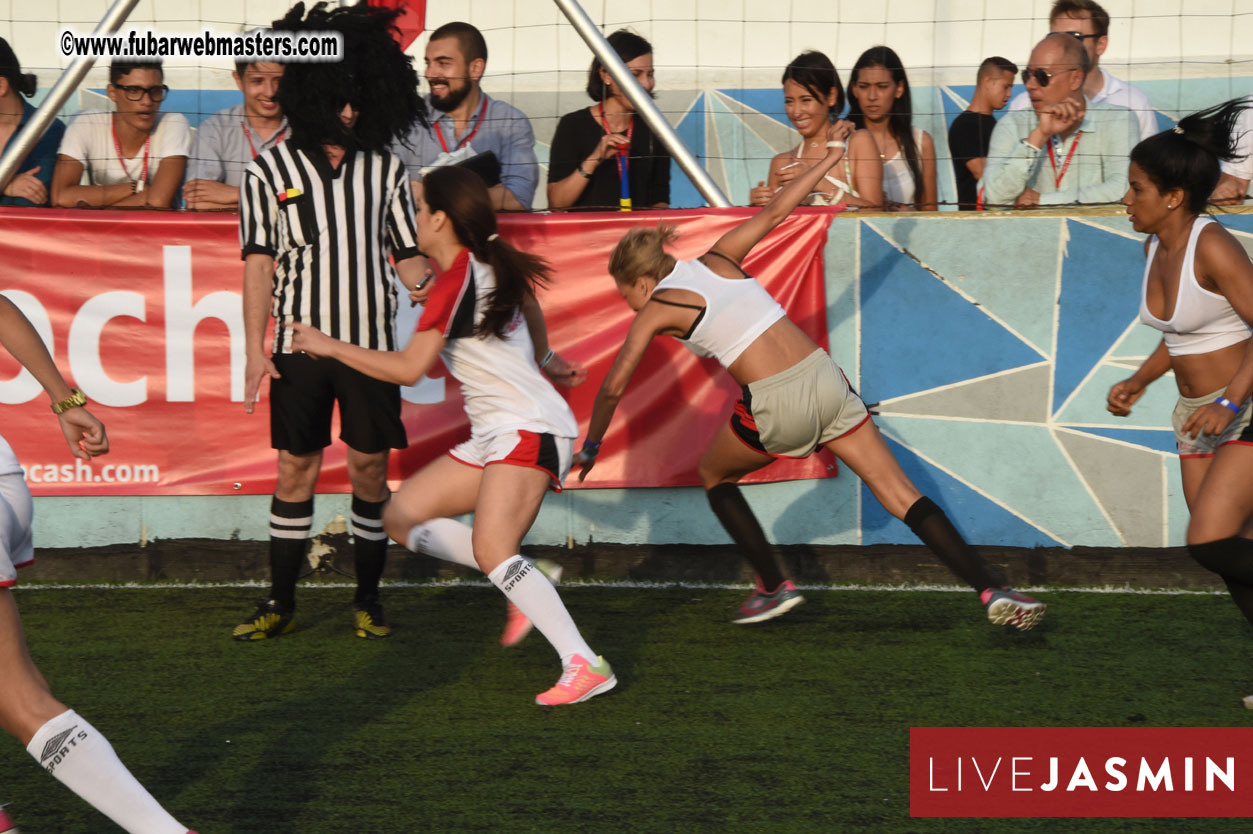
point(330, 231)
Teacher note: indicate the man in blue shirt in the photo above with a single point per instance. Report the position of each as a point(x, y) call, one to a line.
point(467, 122)
point(29, 186)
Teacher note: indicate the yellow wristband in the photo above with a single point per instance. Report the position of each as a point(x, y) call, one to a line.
point(75, 399)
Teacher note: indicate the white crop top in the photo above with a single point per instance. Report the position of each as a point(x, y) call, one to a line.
point(1203, 321)
point(737, 310)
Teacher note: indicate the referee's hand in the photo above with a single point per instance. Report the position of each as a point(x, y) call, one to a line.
point(256, 368)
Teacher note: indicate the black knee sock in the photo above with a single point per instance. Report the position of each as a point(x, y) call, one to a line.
point(1241, 595)
point(289, 536)
point(369, 544)
point(930, 524)
point(737, 518)
point(1231, 557)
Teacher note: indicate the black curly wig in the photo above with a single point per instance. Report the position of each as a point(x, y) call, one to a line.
point(376, 77)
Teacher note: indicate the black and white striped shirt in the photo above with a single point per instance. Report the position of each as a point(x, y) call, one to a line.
point(330, 232)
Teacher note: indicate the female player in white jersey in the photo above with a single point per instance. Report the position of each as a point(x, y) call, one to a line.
point(1198, 290)
point(482, 317)
point(796, 399)
point(63, 743)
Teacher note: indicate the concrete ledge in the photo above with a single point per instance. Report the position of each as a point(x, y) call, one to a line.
point(209, 560)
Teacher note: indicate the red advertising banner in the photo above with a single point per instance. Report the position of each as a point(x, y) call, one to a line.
point(142, 310)
point(1080, 771)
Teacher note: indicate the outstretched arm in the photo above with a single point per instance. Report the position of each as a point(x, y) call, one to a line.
point(82, 430)
point(648, 323)
point(738, 242)
point(402, 367)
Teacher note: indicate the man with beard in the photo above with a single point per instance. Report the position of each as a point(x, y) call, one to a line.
point(467, 122)
point(320, 214)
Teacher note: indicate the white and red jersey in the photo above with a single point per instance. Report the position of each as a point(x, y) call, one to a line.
point(503, 387)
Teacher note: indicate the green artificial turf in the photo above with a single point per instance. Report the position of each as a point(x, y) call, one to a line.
point(799, 725)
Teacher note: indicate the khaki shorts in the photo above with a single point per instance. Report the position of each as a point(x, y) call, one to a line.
point(1205, 445)
point(793, 413)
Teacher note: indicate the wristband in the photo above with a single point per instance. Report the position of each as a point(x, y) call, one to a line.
point(548, 357)
point(837, 144)
point(1228, 404)
point(1031, 146)
point(585, 174)
point(590, 449)
point(75, 399)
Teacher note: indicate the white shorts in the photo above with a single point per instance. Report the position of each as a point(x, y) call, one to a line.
point(545, 452)
point(16, 510)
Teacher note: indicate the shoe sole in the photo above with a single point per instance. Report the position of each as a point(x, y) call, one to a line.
point(782, 608)
point(1008, 612)
point(262, 635)
point(594, 691)
point(367, 635)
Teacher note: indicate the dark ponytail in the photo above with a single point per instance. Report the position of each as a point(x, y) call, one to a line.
point(462, 195)
point(24, 82)
point(1188, 155)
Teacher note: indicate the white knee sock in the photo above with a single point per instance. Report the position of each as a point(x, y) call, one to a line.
point(83, 760)
point(444, 539)
point(535, 596)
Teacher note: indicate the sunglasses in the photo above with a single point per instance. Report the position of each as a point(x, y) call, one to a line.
point(1079, 36)
point(134, 93)
point(1041, 77)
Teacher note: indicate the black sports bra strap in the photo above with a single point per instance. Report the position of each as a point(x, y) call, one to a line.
point(728, 259)
point(676, 303)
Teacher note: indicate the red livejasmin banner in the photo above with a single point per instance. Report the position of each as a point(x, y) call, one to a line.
point(1081, 771)
point(142, 310)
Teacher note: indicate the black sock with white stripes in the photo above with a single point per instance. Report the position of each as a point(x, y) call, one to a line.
point(930, 524)
point(289, 536)
point(369, 546)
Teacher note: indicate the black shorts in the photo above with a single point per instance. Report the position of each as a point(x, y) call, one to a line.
point(301, 402)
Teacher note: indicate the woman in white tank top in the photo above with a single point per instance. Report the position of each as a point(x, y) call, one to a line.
point(881, 104)
point(813, 98)
point(481, 318)
point(795, 398)
point(1198, 290)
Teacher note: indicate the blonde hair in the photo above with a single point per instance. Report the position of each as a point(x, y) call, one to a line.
point(641, 251)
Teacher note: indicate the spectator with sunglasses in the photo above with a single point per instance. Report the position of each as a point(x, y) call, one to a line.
point(1088, 23)
point(133, 156)
point(1066, 150)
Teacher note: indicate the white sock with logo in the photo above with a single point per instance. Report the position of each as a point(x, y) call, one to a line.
point(526, 587)
point(83, 760)
point(444, 538)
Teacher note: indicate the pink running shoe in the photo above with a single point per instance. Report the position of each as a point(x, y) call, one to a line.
point(7, 826)
point(517, 625)
point(581, 681)
point(1005, 606)
point(762, 606)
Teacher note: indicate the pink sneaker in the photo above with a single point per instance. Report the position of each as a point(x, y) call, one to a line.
point(581, 681)
point(7, 826)
point(517, 625)
point(1005, 606)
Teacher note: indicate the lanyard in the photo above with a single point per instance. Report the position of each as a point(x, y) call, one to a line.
point(143, 176)
point(439, 134)
point(1057, 176)
point(244, 127)
point(624, 165)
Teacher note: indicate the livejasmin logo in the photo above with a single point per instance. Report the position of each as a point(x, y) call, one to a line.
point(1077, 775)
point(1080, 771)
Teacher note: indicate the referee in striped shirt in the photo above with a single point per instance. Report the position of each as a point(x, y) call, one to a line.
point(319, 216)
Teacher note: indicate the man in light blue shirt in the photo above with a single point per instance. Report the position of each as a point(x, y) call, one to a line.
point(1065, 150)
point(466, 122)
